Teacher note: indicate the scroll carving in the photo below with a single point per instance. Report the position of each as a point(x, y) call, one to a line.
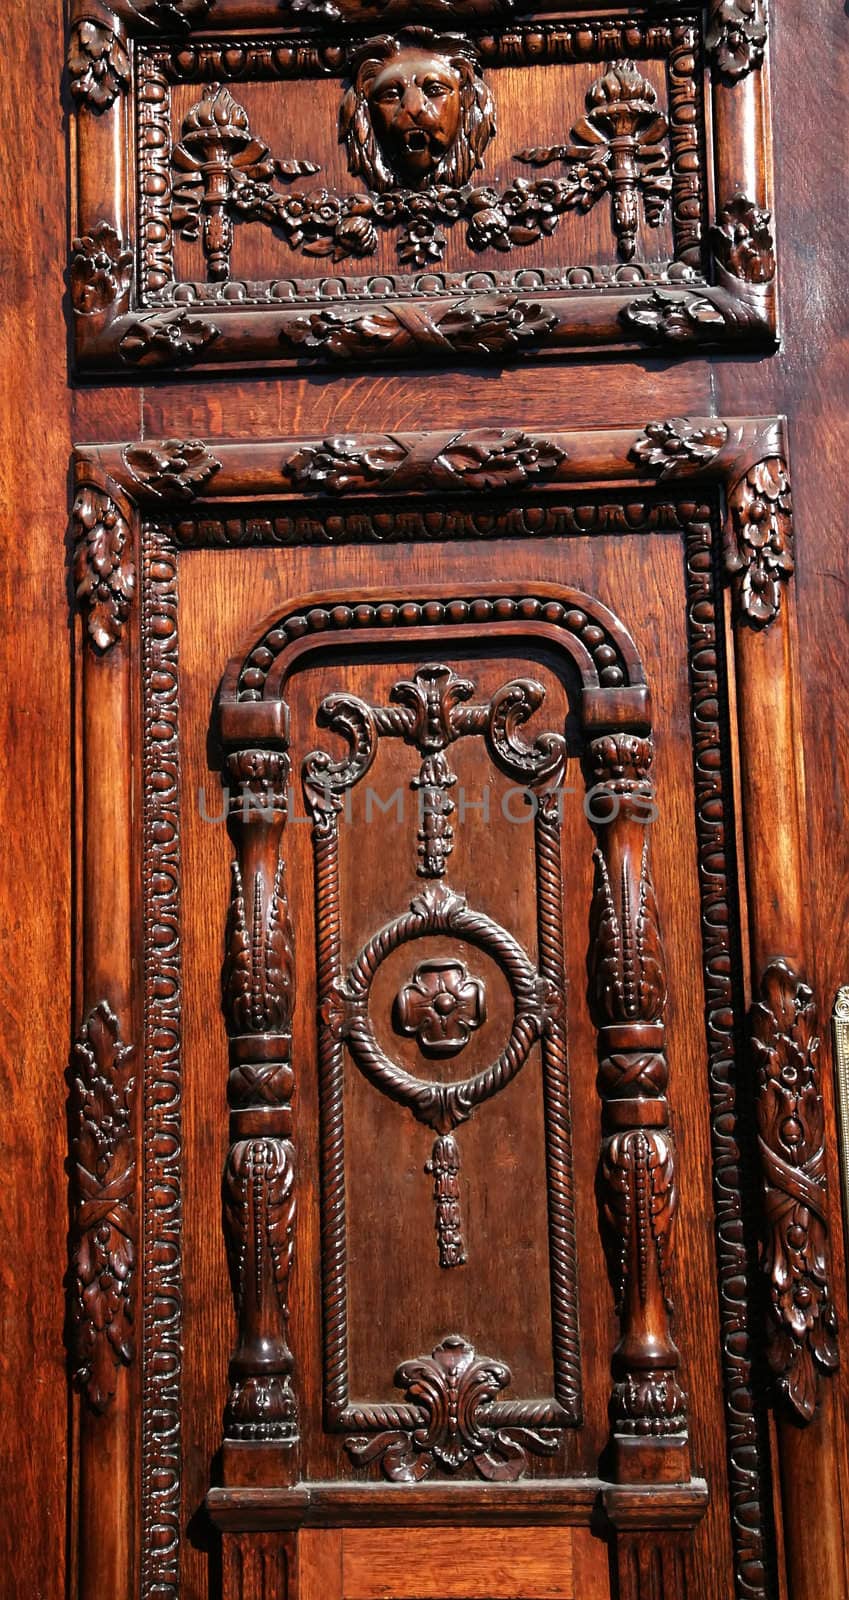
point(104, 574)
point(791, 1141)
point(103, 1226)
point(452, 1391)
point(637, 1189)
point(259, 1177)
point(744, 268)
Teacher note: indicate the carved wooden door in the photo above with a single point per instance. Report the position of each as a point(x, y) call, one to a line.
point(448, 1153)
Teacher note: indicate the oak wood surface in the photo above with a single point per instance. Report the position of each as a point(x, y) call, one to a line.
point(805, 380)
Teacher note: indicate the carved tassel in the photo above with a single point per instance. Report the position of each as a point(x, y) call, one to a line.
point(444, 1164)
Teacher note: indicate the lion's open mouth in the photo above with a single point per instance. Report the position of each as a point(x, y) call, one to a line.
point(417, 141)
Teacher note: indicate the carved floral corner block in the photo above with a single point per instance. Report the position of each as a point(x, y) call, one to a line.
point(791, 1142)
point(435, 240)
point(104, 573)
point(103, 1207)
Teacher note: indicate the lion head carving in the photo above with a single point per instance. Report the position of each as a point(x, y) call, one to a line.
point(417, 111)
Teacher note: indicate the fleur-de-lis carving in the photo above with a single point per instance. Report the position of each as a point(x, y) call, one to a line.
point(441, 1006)
point(618, 147)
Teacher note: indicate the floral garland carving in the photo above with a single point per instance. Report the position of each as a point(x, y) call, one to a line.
point(104, 574)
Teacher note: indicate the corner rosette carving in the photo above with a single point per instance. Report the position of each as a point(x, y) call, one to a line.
point(791, 1141)
point(736, 35)
point(103, 1223)
point(98, 65)
point(160, 338)
point(101, 270)
point(759, 539)
point(173, 469)
point(104, 575)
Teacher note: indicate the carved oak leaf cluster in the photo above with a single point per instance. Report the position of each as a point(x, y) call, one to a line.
point(160, 339)
point(674, 314)
point(104, 575)
point(742, 241)
point(791, 1139)
point(678, 443)
point(101, 270)
point(736, 35)
point(342, 463)
point(759, 539)
point(98, 65)
point(103, 1228)
point(487, 458)
point(175, 469)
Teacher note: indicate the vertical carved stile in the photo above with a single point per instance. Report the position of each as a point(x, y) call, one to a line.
point(259, 1177)
point(637, 1187)
point(103, 1225)
point(791, 1140)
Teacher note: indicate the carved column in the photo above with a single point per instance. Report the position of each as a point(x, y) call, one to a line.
point(637, 1189)
point(259, 1177)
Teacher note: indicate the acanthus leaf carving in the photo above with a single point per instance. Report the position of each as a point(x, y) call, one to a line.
point(490, 458)
point(744, 265)
point(618, 147)
point(159, 338)
point(678, 443)
point(104, 574)
point(259, 1228)
point(791, 1141)
point(759, 545)
point(101, 270)
point(258, 975)
point(627, 975)
point(453, 1389)
point(103, 1227)
point(172, 469)
point(98, 64)
point(736, 35)
point(343, 463)
point(742, 242)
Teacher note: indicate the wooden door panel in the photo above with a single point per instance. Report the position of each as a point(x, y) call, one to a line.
point(482, 1069)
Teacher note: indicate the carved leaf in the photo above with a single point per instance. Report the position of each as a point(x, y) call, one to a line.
point(341, 465)
point(674, 314)
point(104, 575)
point(759, 539)
point(679, 443)
point(98, 65)
point(176, 469)
point(736, 35)
point(103, 1231)
point(101, 270)
point(165, 337)
point(742, 241)
point(487, 458)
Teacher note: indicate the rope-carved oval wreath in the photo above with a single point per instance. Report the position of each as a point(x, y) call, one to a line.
point(442, 1106)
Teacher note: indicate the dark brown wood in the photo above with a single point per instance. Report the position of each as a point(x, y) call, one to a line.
point(416, 258)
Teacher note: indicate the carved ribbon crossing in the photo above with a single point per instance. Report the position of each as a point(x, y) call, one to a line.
point(259, 1177)
point(637, 1168)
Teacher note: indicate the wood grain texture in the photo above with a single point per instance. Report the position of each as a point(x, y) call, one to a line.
point(35, 809)
point(461, 1564)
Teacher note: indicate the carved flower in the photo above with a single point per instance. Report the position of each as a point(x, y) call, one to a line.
point(325, 209)
point(441, 1006)
point(488, 229)
point(101, 270)
point(737, 35)
point(761, 513)
point(420, 242)
point(98, 65)
point(354, 236)
point(742, 241)
point(678, 442)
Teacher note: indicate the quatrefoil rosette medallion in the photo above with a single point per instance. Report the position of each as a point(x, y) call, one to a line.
point(441, 1004)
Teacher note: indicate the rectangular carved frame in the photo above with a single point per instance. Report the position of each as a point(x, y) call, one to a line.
point(129, 314)
point(136, 507)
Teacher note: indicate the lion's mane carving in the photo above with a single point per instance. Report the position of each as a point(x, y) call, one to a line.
point(463, 130)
